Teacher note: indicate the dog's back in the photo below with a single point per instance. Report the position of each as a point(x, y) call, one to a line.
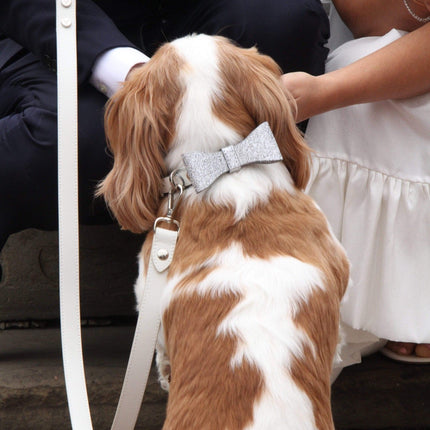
point(252, 319)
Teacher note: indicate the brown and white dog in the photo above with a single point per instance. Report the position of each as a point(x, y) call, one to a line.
point(251, 310)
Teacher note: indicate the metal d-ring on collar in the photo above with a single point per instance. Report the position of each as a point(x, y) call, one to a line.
point(174, 195)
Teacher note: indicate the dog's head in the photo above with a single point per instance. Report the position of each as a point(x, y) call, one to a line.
point(198, 93)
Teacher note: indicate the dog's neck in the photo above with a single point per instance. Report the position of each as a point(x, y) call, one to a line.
point(243, 190)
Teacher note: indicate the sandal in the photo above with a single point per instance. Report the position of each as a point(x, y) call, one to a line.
point(411, 358)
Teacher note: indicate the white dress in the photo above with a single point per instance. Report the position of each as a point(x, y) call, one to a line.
point(371, 177)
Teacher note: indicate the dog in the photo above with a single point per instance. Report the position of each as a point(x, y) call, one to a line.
point(250, 315)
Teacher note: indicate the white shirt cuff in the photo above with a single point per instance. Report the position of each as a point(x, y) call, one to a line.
point(111, 68)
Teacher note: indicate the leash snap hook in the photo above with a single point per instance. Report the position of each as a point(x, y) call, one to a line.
point(171, 200)
point(175, 188)
point(174, 195)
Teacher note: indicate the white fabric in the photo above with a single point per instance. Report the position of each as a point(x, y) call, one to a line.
point(371, 177)
point(111, 68)
point(338, 30)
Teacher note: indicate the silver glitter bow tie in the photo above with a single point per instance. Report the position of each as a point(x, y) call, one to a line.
point(205, 168)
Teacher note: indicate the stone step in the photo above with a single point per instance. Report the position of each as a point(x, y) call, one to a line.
point(384, 394)
point(29, 282)
point(377, 394)
point(32, 392)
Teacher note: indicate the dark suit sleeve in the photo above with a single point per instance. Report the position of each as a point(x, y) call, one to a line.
point(31, 23)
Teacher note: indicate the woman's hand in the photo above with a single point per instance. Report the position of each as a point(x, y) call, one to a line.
point(307, 92)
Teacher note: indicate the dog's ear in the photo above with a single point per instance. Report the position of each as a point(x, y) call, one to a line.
point(255, 94)
point(140, 125)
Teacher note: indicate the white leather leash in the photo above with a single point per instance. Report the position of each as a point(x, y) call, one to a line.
point(146, 333)
point(162, 252)
point(149, 320)
point(68, 228)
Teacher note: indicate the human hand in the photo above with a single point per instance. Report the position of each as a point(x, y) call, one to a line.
point(306, 91)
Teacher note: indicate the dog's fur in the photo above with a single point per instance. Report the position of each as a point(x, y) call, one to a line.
point(251, 310)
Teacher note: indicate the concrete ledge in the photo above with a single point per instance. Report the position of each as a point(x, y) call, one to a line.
point(32, 392)
point(377, 394)
point(29, 286)
point(382, 394)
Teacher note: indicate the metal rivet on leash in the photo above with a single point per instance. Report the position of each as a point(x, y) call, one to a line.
point(66, 22)
point(163, 254)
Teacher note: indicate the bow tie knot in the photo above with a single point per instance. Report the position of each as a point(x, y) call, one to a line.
point(259, 146)
point(232, 159)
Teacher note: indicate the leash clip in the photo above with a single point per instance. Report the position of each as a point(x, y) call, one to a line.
point(177, 189)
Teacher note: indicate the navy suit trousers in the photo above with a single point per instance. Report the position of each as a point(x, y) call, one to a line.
point(293, 32)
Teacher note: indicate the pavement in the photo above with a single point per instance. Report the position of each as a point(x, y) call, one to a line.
point(32, 392)
point(376, 394)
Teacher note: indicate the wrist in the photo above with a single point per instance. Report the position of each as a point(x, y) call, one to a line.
point(111, 68)
point(327, 94)
point(345, 86)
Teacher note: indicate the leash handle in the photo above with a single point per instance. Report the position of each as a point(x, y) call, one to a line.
point(147, 327)
point(162, 252)
point(68, 212)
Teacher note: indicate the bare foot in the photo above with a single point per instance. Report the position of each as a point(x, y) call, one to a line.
point(422, 350)
point(407, 348)
point(402, 348)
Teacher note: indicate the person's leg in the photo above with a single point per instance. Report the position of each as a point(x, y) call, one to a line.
point(28, 148)
point(95, 161)
point(292, 32)
point(402, 348)
point(423, 350)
